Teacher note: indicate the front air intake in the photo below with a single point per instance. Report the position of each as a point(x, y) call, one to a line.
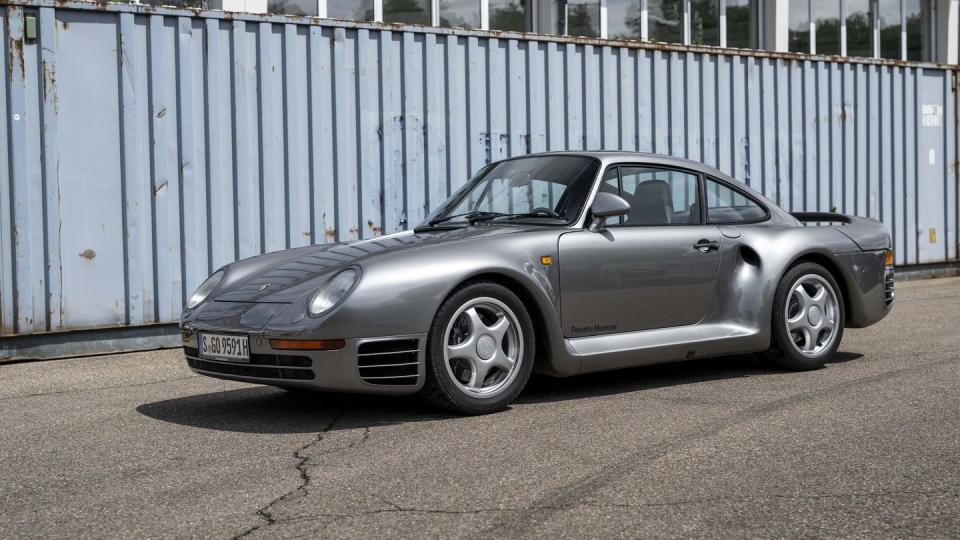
point(261, 366)
point(888, 286)
point(390, 362)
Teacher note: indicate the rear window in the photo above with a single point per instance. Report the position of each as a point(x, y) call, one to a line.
point(727, 205)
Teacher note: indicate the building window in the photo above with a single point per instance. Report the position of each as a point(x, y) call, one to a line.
point(799, 20)
point(407, 11)
point(914, 21)
point(705, 22)
point(510, 15)
point(623, 19)
point(578, 17)
point(866, 28)
point(463, 13)
point(664, 18)
point(742, 24)
point(826, 24)
point(859, 28)
point(889, 19)
point(293, 7)
point(351, 10)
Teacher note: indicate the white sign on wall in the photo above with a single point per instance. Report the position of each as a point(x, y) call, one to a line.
point(930, 115)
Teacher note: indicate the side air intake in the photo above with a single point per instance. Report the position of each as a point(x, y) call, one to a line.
point(390, 362)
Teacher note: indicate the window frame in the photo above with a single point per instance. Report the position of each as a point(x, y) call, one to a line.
point(701, 194)
point(706, 211)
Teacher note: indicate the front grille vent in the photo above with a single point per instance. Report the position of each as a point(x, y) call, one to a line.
point(263, 366)
point(888, 287)
point(391, 362)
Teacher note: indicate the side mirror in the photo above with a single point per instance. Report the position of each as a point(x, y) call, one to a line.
point(606, 205)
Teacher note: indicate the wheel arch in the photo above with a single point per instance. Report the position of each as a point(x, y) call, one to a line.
point(831, 266)
point(541, 327)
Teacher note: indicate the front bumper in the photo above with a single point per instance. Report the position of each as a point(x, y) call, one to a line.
point(392, 365)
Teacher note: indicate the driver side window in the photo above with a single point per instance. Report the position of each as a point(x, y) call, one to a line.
point(657, 196)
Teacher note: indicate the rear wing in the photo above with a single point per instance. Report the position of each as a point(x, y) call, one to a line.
point(821, 217)
point(869, 234)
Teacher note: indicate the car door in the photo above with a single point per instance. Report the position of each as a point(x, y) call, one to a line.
point(656, 267)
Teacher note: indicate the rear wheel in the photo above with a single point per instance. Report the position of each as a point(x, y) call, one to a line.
point(479, 350)
point(808, 318)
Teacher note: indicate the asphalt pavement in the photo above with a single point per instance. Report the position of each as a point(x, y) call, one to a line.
point(135, 445)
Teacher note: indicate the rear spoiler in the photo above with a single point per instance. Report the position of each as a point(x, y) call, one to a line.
point(868, 234)
point(812, 217)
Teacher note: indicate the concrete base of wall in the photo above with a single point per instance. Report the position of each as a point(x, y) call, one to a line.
point(88, 342)
point(927, 271)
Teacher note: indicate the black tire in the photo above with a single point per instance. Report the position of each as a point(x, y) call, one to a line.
point(440, 389)
point(782, 350)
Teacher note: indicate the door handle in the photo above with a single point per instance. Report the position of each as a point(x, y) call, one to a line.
point(706, 246)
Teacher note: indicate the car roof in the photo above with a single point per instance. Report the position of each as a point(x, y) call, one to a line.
point(617, 156)
point(609, 157)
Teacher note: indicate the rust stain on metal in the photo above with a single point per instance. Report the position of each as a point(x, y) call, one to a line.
point(15, 57)
point(160, 186)
point(842, 116)
point(331, 233)
point(49, 85)
point(88, 254)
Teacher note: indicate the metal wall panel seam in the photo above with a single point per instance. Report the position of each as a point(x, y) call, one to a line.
point(497, 105)
point(368, 110)
point(7, 263)
point(297, 135)
point(593, 88)
point(952, 171)
point(25, 231)
point(135, 173)
point(536, 98)
point(53, 269)
point(192, 157)
point(435, 104)
point(517, 116)
point(413, 127)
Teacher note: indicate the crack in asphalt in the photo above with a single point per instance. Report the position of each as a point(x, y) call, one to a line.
point(396, 508)
point(267, 513)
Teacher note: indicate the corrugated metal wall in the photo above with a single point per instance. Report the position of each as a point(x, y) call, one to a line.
point(143, 148)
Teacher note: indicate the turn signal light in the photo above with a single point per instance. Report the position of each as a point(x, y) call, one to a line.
point(307, 344)
point(889, 261)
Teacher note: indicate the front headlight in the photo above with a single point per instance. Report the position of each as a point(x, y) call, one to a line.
point(333, 291)
point(204, 290)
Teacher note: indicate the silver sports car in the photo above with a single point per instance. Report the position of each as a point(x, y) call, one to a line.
point(563, 263)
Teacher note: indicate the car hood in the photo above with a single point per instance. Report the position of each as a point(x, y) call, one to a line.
point(284, 276)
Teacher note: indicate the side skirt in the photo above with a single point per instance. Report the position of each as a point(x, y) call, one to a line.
point(629, 349)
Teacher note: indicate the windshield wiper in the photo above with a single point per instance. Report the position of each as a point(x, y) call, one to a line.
point(469, 217)
point(527, 215)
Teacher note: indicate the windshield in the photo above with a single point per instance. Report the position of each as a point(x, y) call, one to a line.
point(548, 190)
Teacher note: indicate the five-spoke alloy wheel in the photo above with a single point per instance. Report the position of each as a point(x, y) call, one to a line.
point(808, 318)
point(480, 350)
point(811, 314)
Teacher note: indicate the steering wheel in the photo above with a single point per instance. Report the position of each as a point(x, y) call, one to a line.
point(544, 210)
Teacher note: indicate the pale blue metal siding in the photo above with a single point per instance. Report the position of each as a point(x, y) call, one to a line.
point(143, 148)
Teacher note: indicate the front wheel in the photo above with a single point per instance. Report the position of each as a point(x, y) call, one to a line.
point(808, 317)
point(480, 350)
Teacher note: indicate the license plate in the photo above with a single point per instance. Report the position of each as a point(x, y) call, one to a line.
point(224, 347)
